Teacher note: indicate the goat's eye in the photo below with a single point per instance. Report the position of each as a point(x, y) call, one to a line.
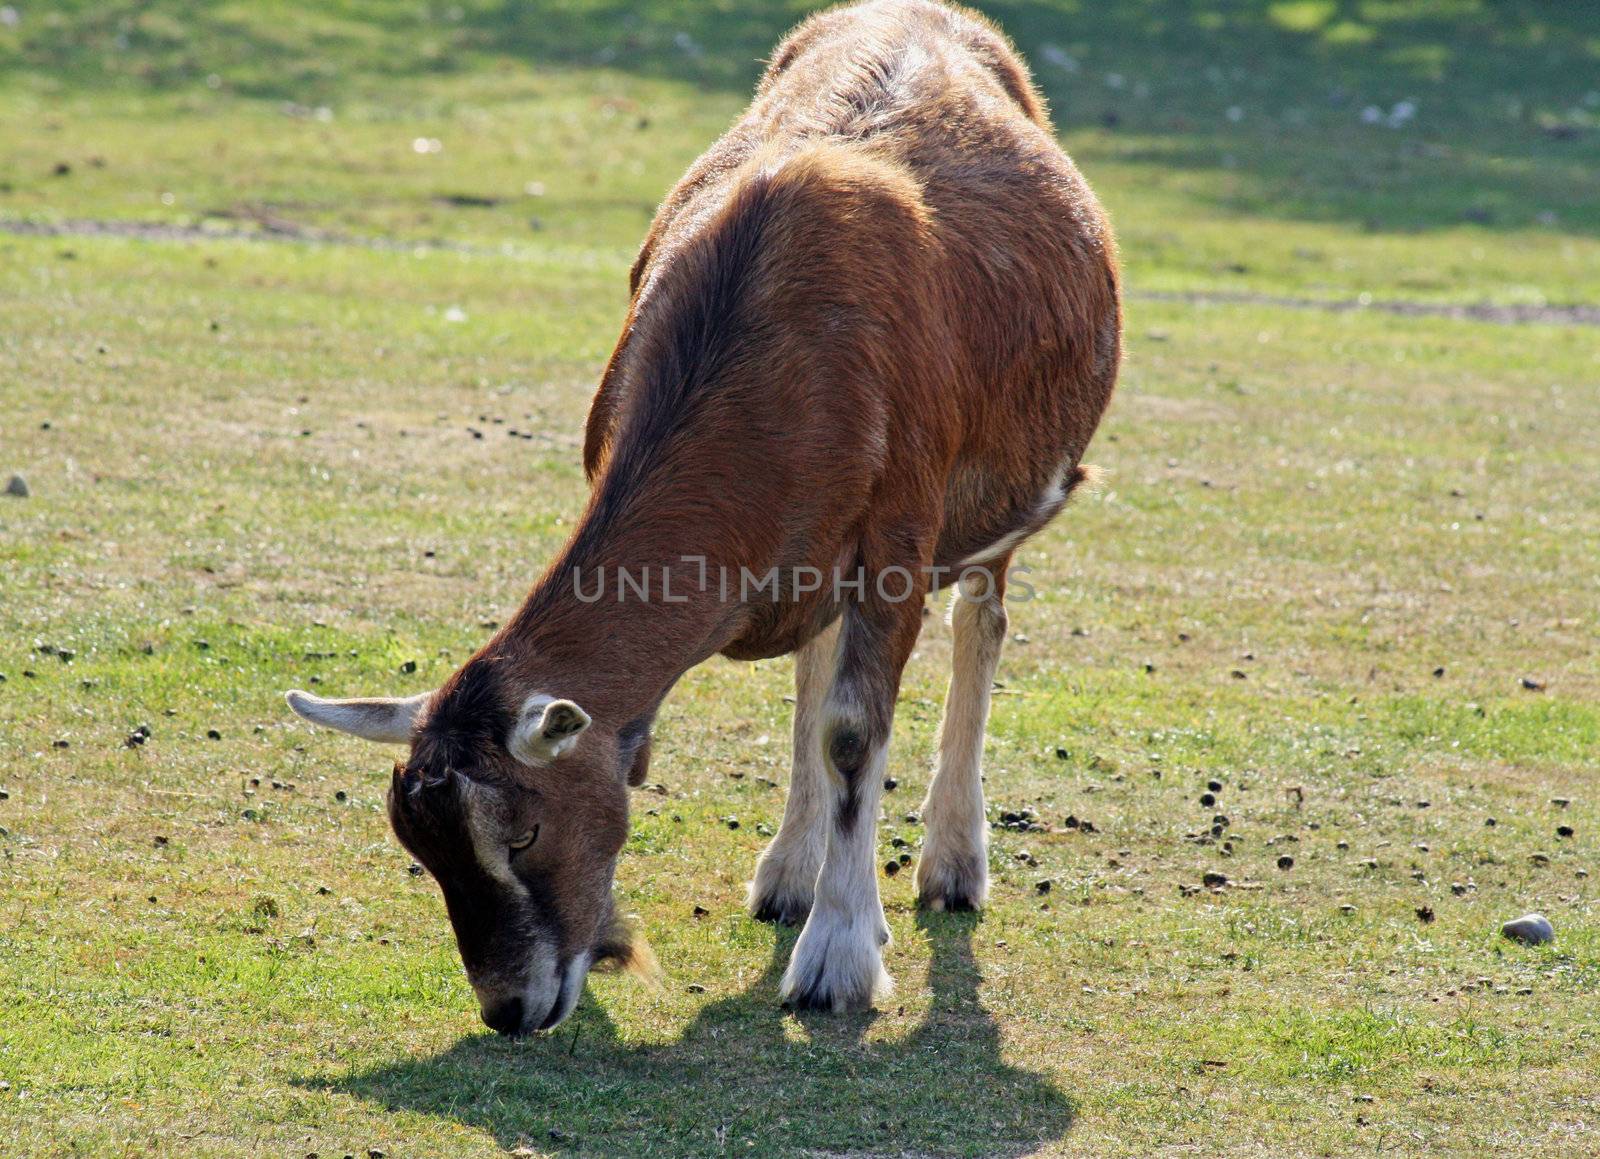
point(526, 839)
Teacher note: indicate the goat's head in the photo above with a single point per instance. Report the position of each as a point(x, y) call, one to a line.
point(519, 814)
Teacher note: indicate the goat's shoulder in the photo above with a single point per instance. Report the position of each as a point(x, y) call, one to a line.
point(801, 243)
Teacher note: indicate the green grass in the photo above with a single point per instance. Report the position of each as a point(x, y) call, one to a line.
point(257, 438)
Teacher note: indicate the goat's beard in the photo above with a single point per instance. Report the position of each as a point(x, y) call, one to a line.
point(622, 947)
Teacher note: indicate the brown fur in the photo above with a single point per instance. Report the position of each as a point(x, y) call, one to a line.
point(872, 326)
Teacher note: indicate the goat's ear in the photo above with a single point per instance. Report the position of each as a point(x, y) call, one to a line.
point(634, 741)
point(389, 719)
point(547, 728)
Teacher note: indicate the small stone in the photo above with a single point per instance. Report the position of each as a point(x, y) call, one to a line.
point(1347, 908)
point(731, 822)
point(1042, 886)
point(1214, 880)
point(700, 911)
point(1561, 802)
point(1564, 830)
point(1214, 786)
point(408, 667)
point(695, 988)
point(414, 869)
point(375, 1153)
point(18, 486)
point(1535, 929)
point(890, 784)
point(213, 734)
point(890, 868)
point(341, 795)
point(1285, 862)
point(1208, 800)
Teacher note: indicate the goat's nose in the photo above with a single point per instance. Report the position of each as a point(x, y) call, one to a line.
point(505, 1016)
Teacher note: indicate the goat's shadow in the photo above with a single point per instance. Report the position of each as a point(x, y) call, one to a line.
point(745, 1075)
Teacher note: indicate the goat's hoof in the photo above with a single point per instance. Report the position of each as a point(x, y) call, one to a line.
point(779, 909)
point(837, 966)
point(952, 889)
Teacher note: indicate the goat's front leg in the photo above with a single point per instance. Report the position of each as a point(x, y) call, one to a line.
point(838, 961)
point(786, 875)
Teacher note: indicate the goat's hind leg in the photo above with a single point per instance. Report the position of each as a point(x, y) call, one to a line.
point(786, 875)
point(953, 872)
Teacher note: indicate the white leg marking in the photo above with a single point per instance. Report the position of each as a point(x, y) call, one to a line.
point(786, 875)
point(838, 961)
point(953, 871)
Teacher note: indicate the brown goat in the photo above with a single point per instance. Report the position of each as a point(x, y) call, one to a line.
point(872, 331)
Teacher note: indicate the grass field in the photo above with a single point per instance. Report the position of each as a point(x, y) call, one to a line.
point(266, 268)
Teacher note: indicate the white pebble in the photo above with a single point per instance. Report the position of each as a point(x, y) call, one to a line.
point(1531, 928)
